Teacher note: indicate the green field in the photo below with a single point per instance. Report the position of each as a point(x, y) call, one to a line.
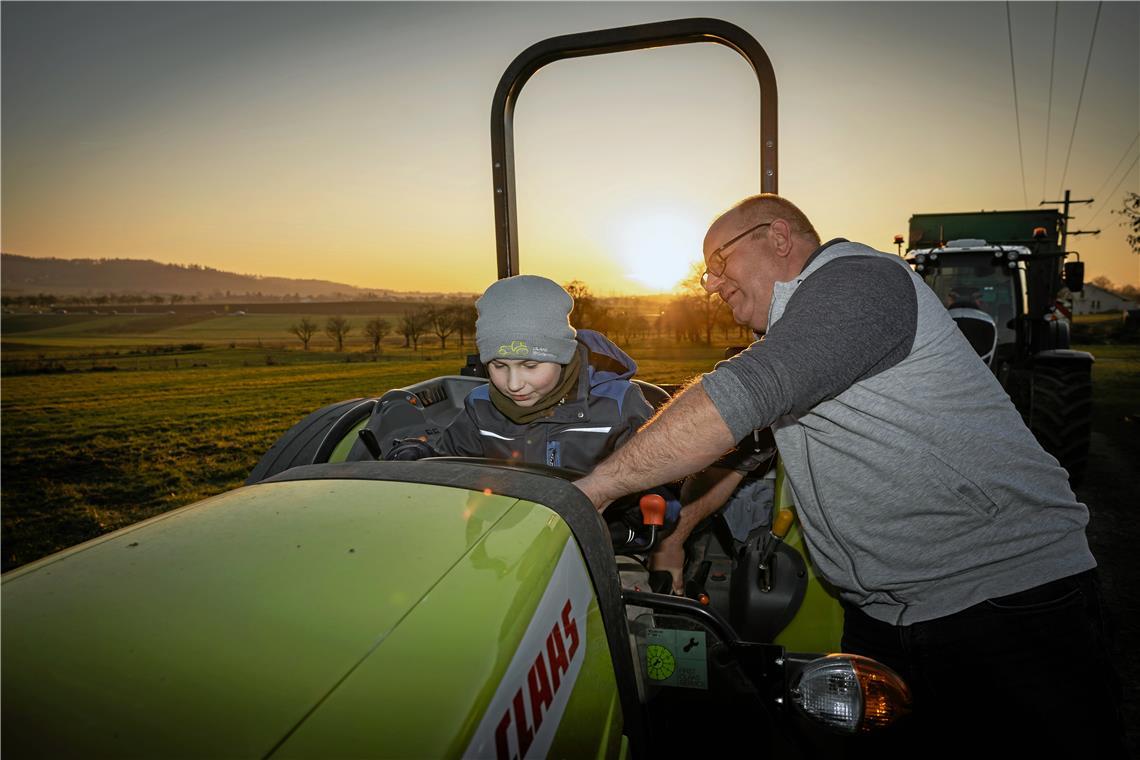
point(29, 335)
point(135, 425)
point(1116, 396)
point(143, 413)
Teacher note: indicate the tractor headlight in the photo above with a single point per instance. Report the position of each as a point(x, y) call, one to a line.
point(850, 694)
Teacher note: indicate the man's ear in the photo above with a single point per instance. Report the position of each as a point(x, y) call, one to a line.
point(781, 233)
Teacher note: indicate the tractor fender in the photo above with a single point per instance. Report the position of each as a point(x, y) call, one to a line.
point(1063, 356)
point(298, 445)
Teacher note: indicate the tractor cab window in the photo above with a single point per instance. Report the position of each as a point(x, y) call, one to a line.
point(973, 282)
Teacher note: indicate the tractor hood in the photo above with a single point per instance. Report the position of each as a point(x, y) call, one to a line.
point(220, 628)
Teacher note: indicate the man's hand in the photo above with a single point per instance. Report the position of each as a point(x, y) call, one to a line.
point(703, 494)
point(591, 486)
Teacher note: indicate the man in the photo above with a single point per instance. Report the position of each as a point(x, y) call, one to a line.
point(954, 540)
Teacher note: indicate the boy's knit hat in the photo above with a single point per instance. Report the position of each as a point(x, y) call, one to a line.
point(525, 317)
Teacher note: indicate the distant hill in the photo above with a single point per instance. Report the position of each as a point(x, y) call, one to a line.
point(23, 275)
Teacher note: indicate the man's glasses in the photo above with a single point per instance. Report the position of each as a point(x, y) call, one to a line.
point(716, 262)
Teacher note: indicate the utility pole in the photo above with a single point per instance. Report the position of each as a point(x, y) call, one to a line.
point(1065, 215)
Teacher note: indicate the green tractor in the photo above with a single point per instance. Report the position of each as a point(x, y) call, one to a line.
point(1001, 275)
point(340, 605)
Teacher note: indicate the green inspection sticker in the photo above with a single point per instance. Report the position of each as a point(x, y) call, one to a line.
point(677, 658)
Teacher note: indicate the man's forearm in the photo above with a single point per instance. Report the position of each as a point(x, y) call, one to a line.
point(686, 436)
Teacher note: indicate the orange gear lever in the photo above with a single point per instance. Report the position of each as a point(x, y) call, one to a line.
point(652, 509)
point(782, 523)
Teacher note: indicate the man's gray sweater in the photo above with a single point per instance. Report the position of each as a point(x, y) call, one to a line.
point(920, 490)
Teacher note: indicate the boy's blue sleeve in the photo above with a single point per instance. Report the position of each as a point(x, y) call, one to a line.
point(672, 503)
point(461, 437)
point(636, 411)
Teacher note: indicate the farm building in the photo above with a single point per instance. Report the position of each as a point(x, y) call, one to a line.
point(1095, 300)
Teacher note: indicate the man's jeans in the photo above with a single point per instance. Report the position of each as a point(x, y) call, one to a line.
point(1027, 674)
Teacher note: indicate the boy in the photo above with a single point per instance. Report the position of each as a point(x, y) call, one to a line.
point(556, 396)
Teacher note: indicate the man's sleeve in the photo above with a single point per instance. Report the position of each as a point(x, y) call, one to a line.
point(851, 319)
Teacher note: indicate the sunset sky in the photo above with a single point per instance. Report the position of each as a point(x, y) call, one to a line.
point(351, 142)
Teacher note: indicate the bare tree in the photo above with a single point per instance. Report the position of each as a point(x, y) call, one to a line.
point(706, 305)
point(305, 329)
point(588, 309)
point(625, 321)
point(338, 328)
point(412, 326)
point(442, 322)
point(1131, 214)
point(680, 318)
point(465, 316)
point(376, 330)
point(1129, 292)
point(639, 326)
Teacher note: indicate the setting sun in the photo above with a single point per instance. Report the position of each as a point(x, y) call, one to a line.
point(658, 247)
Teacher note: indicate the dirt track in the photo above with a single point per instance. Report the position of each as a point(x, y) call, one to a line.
point(1110, 491)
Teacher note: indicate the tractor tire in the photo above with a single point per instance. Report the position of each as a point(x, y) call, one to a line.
point(301, 444)
point(1060, 414)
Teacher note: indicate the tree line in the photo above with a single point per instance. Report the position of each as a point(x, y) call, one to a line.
point(1130, 292)
point(692, 315)
point(49, 300)
point(440, 320)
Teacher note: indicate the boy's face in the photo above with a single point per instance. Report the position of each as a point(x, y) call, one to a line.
point(522, 380)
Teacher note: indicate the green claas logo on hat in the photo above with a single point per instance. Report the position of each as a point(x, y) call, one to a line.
point(516, 348)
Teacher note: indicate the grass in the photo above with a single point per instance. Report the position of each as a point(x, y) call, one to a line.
point(173, 356)
point(1101, 329)
point(1116, 395)
point(85, 453)
point(167, 423)
point(110, 419)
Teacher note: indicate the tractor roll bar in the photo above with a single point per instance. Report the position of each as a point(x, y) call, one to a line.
point(641, 36)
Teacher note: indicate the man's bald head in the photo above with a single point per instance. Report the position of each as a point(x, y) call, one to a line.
point(767, 206)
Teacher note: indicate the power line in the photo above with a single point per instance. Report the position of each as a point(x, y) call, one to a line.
point(1016, 110)
point(1081, 97)
point(1118, 184)
point(1112, 173)
point(1049, 115)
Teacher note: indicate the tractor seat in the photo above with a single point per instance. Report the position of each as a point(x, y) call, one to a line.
point(654, 394)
